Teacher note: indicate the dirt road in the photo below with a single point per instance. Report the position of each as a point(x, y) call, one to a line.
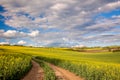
point(63, 74)
point(36, 73)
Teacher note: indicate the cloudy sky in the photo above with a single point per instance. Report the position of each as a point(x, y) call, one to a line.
point(60, 22)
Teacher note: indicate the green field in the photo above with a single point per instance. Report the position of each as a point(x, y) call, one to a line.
point(13, 65)
point(91, 66)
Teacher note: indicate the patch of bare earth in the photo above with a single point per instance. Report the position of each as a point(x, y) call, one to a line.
point(63, 74)
point(36, 73)
point(95, 51)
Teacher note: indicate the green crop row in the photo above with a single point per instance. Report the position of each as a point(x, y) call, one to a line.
point(88, 70)
point(13, 66)
point(48, 72)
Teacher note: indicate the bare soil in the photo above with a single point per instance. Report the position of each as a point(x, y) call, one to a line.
point(36, 73)
point(95, 51)
point(63, 74)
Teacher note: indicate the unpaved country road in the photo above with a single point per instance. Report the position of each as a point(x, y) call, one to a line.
point(36, 73)
point(63, 74)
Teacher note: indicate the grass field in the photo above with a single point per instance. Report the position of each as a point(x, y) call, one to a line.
point(92, 66)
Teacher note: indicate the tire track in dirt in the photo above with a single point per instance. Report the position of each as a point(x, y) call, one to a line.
point(63, 74)
point(36, 73)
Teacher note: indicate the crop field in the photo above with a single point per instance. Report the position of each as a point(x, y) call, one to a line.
point(88, 65)
point(13, 66)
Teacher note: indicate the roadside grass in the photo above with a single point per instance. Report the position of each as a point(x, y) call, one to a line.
point(48, 72)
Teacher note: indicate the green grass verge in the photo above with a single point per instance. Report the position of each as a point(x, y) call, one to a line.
point(48, 72)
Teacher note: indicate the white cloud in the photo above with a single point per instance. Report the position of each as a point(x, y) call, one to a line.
point(65, 14)
point(110, 6)
point(10, 34)
point(4, 43)
point(40, 20)
point(21, 22)
point(34, 33)
point(106, 23)
point(59, 6)
point(68, 20)
point(116, 17)
point(79, 46)
point(13, 34)
point(1, 33)
point(21, 42)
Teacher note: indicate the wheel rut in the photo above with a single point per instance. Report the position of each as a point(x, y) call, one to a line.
point(36, 73)
point(62, 74)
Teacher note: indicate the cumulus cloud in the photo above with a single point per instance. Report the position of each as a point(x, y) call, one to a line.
point(59, 6)
point(110, 6)
point(4, 43)
point(70, 21)
point(24, 14)
point(106, 23)
point(12, 34)
point(114, 16)
point(79, 46)
point(34, 33)
point(21, 42)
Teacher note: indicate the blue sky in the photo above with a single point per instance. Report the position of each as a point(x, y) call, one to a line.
point(60, 23)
